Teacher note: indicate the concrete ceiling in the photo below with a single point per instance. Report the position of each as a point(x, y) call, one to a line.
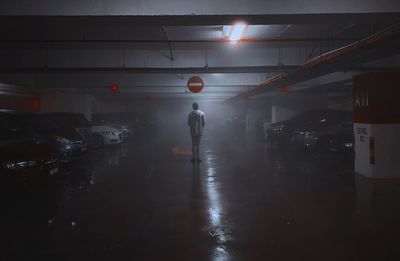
point(193, 7)
point(150, 48)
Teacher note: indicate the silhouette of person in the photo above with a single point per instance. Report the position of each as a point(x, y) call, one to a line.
point(196, 123)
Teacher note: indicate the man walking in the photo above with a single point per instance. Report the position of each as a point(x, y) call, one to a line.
point(196, 123)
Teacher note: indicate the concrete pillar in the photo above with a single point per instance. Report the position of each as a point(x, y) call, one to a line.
point(376, 109)
point(66, 101)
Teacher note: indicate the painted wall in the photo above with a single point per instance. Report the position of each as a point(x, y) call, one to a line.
point(59, 101)
point(19, 103)
point(289, 105)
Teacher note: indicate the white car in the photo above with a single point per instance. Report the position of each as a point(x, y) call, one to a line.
point(105, 135)
point(127, 132)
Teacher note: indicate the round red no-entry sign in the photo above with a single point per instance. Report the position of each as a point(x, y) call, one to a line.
point(195, 84)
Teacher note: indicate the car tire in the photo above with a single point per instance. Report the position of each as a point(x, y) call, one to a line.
point(97, 141)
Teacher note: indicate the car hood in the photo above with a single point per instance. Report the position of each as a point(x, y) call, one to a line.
point(118, 127)
point(22, 150)
point(105, 128)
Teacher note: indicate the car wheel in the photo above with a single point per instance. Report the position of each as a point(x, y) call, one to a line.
point(97, 141)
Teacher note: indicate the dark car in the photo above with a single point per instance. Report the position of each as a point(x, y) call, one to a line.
point(337, 140)
point(328, 131)
point(22, 161)
point(44, 129)
point(283, 131)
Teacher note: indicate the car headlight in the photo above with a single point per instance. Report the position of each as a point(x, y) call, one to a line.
point(109, 133)
point(62, 140)
point(348, 145)
point(20, 164)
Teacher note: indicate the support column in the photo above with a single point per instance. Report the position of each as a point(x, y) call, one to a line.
point(377, 124)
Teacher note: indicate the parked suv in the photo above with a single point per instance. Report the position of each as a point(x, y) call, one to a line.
point(44, 129)
point(329, 130)
point(294, 130)
point(23, 161)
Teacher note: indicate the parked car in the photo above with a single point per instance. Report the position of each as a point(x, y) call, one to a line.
point(44, 129)
point(283, 132)
point(22, 161)
point(126, 131)
point(122, 120)
point(326, 131)
point(122, 127)
point(339, 140)
point(105, 135)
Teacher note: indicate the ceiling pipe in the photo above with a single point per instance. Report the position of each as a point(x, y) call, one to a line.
point(171, 56)
point(379, 45)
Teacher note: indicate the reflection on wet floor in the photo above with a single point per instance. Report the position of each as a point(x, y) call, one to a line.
point(217, 228)
point(245, 201)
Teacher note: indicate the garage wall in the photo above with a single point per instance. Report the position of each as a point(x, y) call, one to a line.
point(341, 102)
point(59, 101)
point(19, 103)
point(99, 106)
point(287, 106)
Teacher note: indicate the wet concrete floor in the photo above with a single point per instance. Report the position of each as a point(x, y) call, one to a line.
point(244, 201)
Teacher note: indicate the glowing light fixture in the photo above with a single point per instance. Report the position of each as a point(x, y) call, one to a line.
point(237, 31)
point(114, 87)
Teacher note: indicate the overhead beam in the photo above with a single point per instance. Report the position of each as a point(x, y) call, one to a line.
point(32, 21)
point(239, 69)
point(149, 97)
point(380, 45)
point(202, 70)
point(152, 41)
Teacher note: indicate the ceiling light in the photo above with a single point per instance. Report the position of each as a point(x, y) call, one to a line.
point(226, 29)
point(237, 31)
